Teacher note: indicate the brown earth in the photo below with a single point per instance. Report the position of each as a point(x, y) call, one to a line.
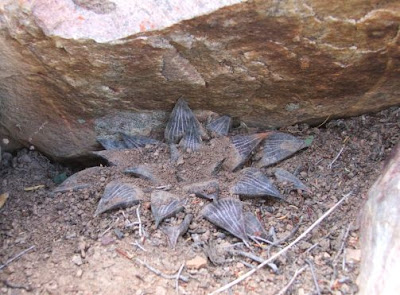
point(76, 253)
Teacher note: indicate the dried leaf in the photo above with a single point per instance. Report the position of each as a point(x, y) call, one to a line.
point(34, 188)
point(3, 199)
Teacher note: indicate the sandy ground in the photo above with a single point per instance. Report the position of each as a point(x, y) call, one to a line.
point(73, 252)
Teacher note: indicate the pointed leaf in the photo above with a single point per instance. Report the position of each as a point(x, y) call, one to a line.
point(78, 180)
point(244, 146)
point(191, 140)
point(118, 195)
point(174, 232)
point(111, 143)
point(253, 183)
point(279, 146)
point(220, 126)
point(142, 172)
point(285, 176)
point(253, 226)
point(164, 205)
point(181, 121)
point(137, 141)
point(228, 214)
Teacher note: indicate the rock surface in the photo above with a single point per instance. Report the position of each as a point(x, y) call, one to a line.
point(380, 236)
point(65, 72)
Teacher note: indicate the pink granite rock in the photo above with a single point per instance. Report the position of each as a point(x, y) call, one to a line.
point(74, 70)
point(380, 235)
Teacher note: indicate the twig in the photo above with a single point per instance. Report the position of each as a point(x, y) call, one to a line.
point(255, 258)
point(337, 157)
point(139, 220)
point(314, 276)
point(177, 278)
point(249, 273)
point(343, 242)
point(291, 234)
point(136, 243)
point(326, 120)
point(249, 265)
point(257, 238)
point(15, 286)
point(163, 275)
point(16, 257)
point(298, 271)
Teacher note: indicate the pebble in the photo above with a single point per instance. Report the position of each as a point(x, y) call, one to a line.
point(79, 273)
point(160, 290)
point(77, 260)
point(196, 263)
point(353, 255)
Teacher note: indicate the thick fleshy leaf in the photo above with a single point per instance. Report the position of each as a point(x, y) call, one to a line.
point(79, 180)
point(181, 121)
point(207, 189)
point(253, 183)
point(164, 205)
point(119, 195)
point(227, 214)
point(137, 141)
point(220, 126)
point(141, 172)
point(191, 140)
point(174, 232)
point(279, 146)
point(285, 176)
point(111, 143)
point(253, 226)
point(243, 147)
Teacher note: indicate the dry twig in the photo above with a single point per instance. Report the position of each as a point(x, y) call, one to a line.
point(137, 244)
point(337, 157)
point(139, 221)
point(161, 274)
point(16, 257)
point(177, 278)
point(314, 276)
point(298, 271)
point(249, 273)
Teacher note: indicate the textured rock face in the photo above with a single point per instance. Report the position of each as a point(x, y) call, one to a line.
point(380, 243)
point(268, 63)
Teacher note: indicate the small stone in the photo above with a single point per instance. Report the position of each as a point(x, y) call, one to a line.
point(77, 260)
point(106, 240)
point(196, 263)
point(303, 245)
point(119, 233)
point(160, 290)
point(353, 255)
point(79, 273)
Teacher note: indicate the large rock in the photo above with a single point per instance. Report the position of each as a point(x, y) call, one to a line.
point(380, 234)
point(268, 63)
